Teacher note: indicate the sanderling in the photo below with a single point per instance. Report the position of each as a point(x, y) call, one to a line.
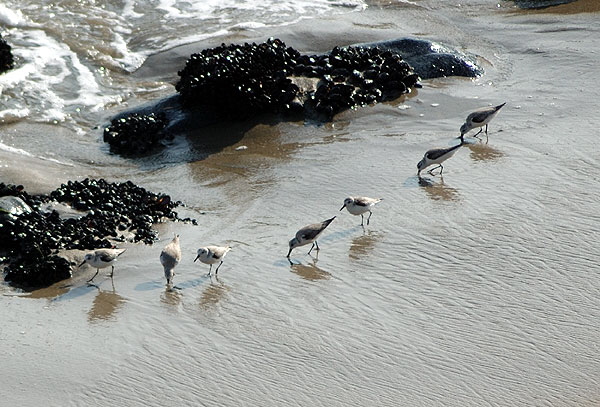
point(479, 118)
point(102, 258)
point(357, 205)
point(309, 234)
point(170, 257)
point(437, 156)
point(211, 255)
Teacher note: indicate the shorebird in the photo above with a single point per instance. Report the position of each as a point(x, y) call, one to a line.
point(170, 257)
point(102, 258)
point(309, 234)
point(357, 205)
point(437, 156)
point(479, 118)
point(211, 255)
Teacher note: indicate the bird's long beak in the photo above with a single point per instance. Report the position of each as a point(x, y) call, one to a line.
point(343, 207)
point(197, 257)
point(82, 263)
point(290, 252)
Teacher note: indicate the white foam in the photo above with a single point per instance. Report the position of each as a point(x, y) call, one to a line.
point(10, 17)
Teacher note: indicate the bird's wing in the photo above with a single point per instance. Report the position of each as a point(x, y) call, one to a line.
point(436, 153)
point(106, 256)
point(365, 201)
point(479, 117)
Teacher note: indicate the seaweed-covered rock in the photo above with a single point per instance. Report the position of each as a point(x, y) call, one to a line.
point(256, 78)
point(234, 82)
point(136, 134)
point(6, 58)
point(241, 79)
point(31, 240)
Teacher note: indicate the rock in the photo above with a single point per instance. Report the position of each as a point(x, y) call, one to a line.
point(237, 82)
point(539, 4)
point(136, 133)
point(12, 206)
point(31, 240)
point(6, 58)
point(431, 60)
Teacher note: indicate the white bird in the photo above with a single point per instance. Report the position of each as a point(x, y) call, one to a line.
point(357, 205)
point(479, 118)
point(170, 257)
point(212, 255)
point(437, 156)
point(102, 258)
point(309, 234)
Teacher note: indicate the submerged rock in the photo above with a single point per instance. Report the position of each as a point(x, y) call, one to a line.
point(6, 58)
point(239, 81)
point(31, 240)
point(539, 4)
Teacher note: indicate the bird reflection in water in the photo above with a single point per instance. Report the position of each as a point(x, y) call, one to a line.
point(309, 271)
point(105, 305)
point(171, 297)
point(212, 294)
point(484, 152)
point(362, 246)
point(438, 191)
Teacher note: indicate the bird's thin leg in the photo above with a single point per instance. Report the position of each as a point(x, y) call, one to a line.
point(317, 244)
point(97, 271)
point(369, 218)
point(217, 270)
point(311, 247)
point(209, 270)
point(112, 271)
point(441, 170)
point(485, 129)
point(430, 172)
point(362, 220)
point(480, 130)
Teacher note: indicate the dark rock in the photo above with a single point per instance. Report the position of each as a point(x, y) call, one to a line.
point(136, 134)
point(540, 4)
point(237, 82)
point(6, 58)
point(31, 240)
point(430, 60)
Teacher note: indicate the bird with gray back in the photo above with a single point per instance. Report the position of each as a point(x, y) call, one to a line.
point(170, 257)
point(358, 205)
point(212, 255)
point(309, 234)
point(479, 118)
point(102, 258)
point(437, 156)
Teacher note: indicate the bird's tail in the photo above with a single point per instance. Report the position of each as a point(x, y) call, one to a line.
point(500, 106)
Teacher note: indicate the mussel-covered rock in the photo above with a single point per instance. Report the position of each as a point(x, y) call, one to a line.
point(235, 82)
point(6, 58)
point(136, 134)
point(32, 238)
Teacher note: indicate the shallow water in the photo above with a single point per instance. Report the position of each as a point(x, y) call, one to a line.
point(476, 289)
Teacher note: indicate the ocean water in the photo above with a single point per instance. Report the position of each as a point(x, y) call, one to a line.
point(478, 288)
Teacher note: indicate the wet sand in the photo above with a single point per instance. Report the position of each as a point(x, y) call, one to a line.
point(475, 289)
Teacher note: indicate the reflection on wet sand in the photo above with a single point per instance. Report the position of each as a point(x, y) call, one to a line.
point(171, 297)
point(484, 152)
point(438, 191)
point(363, 245)
point(213, 294)
point(310, 271)
point(105, 305)
point(53, 291)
